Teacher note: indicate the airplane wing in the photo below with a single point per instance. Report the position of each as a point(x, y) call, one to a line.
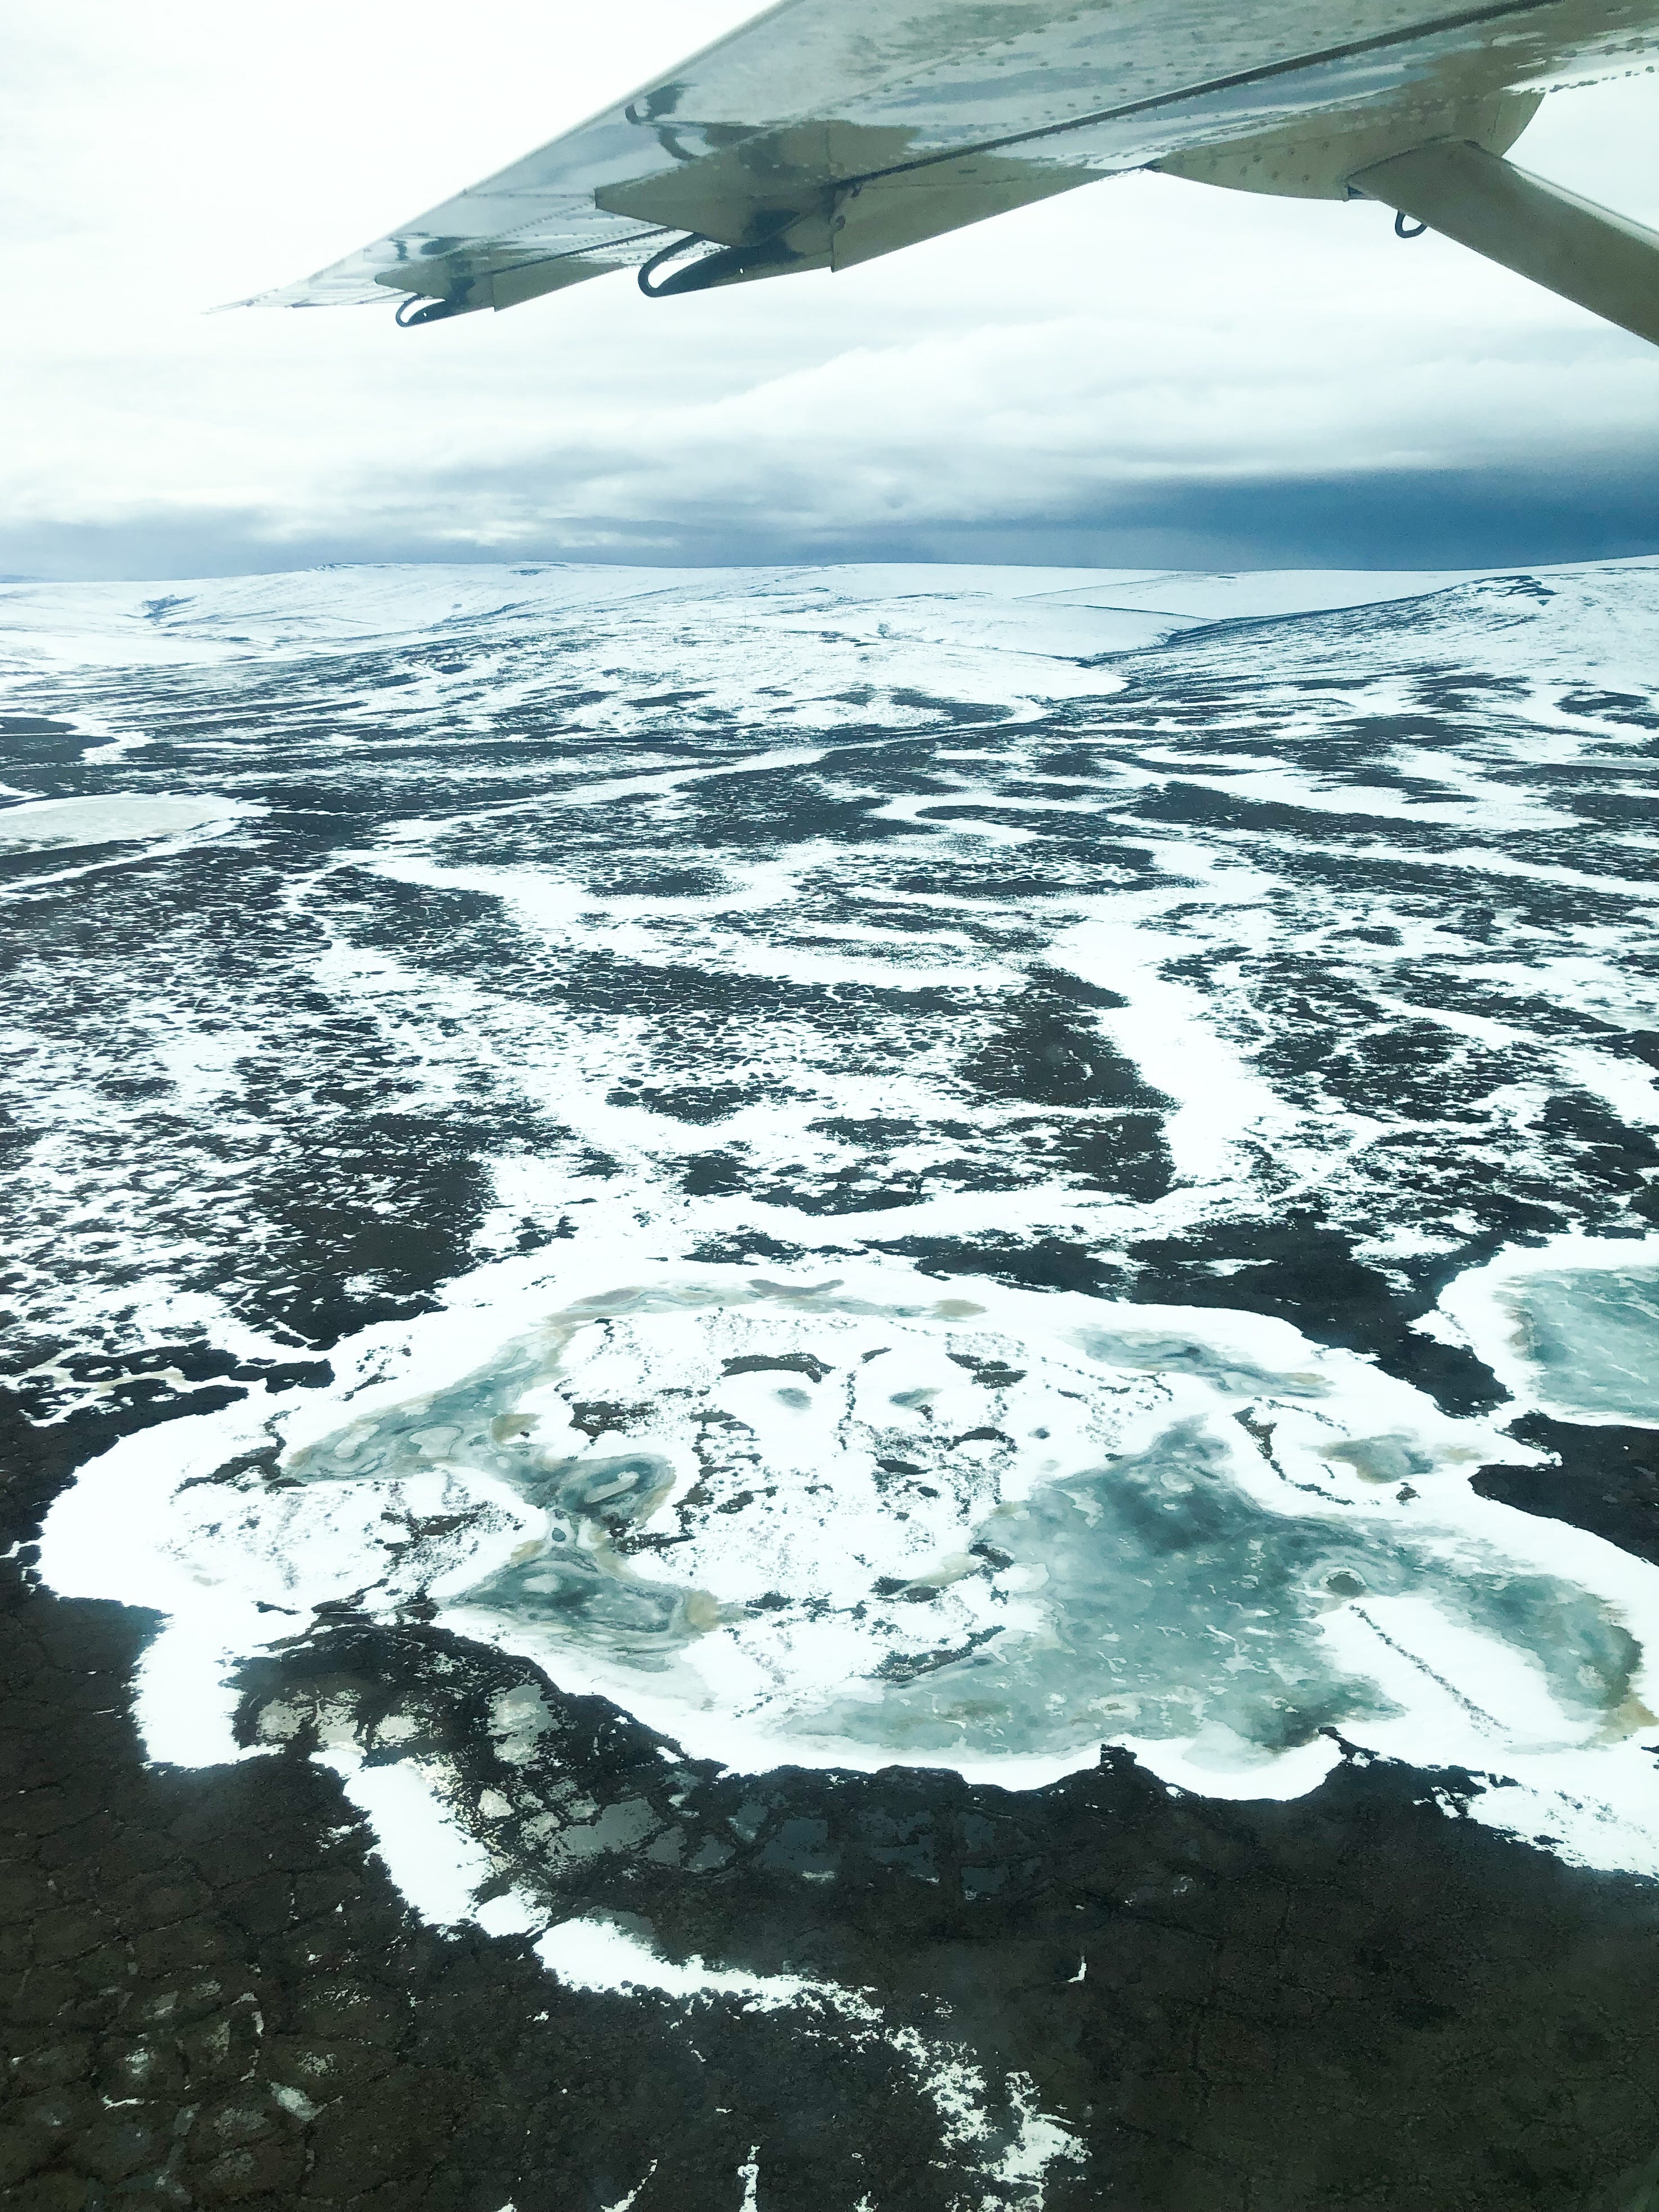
point(826, 132)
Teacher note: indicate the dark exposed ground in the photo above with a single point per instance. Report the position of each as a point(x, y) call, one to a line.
point(214, 1996)
point(1605, 1478)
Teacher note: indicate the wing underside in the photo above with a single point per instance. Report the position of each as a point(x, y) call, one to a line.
point(828, 131)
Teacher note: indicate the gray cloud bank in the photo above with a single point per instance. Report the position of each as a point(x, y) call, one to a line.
point(1400, 518)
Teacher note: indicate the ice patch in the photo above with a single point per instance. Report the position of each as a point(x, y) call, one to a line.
point(430, 1856)
point(854, 1520)
point(126, 816)
point(599, 1955)
point(1569, 1326)
point(1167, 1029)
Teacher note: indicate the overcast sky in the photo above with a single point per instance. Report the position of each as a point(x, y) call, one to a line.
point(1144, 371)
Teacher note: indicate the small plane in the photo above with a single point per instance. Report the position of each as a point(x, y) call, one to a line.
point(826, 132)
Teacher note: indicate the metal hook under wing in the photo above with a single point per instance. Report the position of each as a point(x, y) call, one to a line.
point(416, 308)
point(721, 264)
point(674, 251)
point(1600, 260)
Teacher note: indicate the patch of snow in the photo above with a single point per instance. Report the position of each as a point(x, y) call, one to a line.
point(131, 817)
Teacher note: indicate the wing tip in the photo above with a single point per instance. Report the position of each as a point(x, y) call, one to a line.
point(307, 294)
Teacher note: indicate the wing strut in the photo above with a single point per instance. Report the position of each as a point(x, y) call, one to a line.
point(1587, 254)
